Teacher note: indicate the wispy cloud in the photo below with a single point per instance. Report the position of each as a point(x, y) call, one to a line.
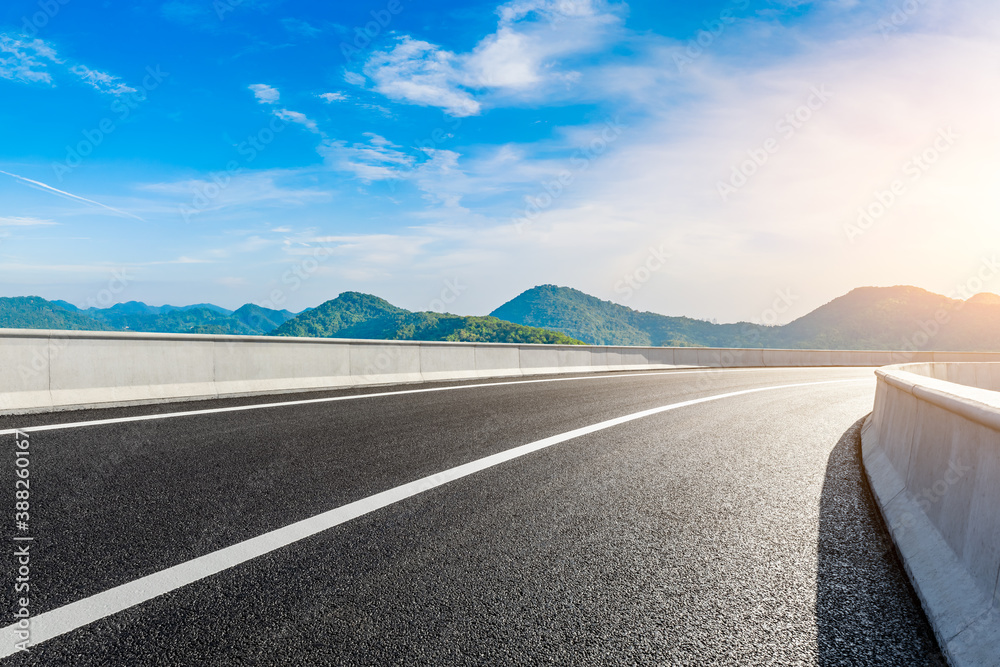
point(297, 117)
point(190, 14)
point(277, 187)
point(264, 93)
point(332, 97)
point(68, 195)
point(101, 81)
point(25, 222)
point(301, 28)
point(270, 95)
point(26, 61)
point(376, 160)
point(29, 62)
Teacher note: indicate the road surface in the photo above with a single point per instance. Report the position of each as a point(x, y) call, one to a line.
point(663, 518)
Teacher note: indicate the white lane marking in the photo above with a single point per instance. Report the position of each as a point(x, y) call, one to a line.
point(77, 614)
point(354, 397)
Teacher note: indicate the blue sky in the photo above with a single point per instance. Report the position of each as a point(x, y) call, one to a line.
point(733, 160)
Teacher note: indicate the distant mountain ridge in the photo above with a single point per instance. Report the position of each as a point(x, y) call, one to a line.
point(357, 315)
point(600, 322)
point(866, 318)
point(34, 312)
point(37, 313)
point(898, 318)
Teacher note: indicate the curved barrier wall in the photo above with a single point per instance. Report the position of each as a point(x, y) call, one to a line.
point(49, 370)
point(931, 451)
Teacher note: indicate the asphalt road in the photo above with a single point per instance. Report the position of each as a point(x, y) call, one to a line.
point(735, 531)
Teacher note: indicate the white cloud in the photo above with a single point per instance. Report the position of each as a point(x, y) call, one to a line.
point(265, 94)
point(656, 185)
point(296, 117)
point(270, 95)
point(27, 61)
point(420, 73)
point(25, 222)
point(785, 227)
point(273, 187)
point(376, 160)
point(332, 97)
point(532, 38)
point(101, 81)
point(354, 79)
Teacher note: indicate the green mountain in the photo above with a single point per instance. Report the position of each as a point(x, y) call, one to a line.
point(195, 320)
point(868, 318)
point(351, 312)
point(140, 308)
point(356, 315)
point(600, 322)
point(261, 320)
point(37, 313)
point(34, 312)
point(138, 316)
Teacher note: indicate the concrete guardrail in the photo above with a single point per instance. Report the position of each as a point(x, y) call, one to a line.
point(931, 452)
point(51, 370)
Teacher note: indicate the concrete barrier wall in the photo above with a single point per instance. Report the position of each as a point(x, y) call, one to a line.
point(931, 451)
point(47, 370)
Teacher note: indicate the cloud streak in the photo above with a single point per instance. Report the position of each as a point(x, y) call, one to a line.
point(25, 222)
point(62, 193)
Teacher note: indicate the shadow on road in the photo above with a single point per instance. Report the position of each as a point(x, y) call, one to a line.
point(866, 610)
